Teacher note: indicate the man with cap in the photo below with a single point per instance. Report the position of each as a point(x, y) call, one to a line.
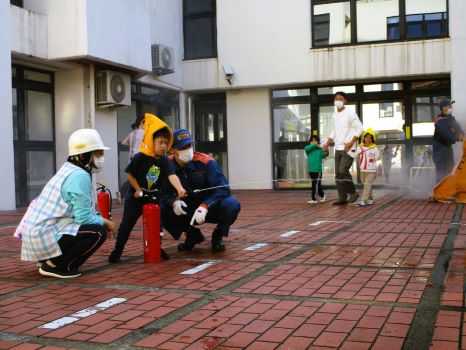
point(209, 198)
point(447, 133)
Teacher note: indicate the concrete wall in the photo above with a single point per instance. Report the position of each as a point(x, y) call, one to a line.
point(249, 139)
point(66, 26)
point(274, 50)
point(166, 27)
point(7, 165)
point(106, 124)
point(118, 31)
point(28, 32)
point(70, 110)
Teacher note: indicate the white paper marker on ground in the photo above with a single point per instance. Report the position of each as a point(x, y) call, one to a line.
point(317, 223)
point(199, 268)
point(83, 313)
point(289, 234)
point(256, 247)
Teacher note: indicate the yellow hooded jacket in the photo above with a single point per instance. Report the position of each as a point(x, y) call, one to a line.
point(152, 124)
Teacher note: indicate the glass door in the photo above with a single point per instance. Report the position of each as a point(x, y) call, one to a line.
point(34, 132)
point(210, 125)
point(387, 118)
point(326, 126)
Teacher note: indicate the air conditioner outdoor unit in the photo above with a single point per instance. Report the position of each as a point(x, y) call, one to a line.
point(113, 89)
point(163, 59)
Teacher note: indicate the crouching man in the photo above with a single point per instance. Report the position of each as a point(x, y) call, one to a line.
point(213, 203)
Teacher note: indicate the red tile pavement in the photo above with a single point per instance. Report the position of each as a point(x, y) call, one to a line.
point(418, 240)
point(369, 256)
point(8, 287)
point(447, 331)
point(168, 274)
point(25, 313)
point(341, 283)
point(247, 323)
point(239, 252)
point(275, 235)
point(366, 275)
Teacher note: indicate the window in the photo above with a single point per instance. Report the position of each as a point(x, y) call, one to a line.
point(331, 90)
point(18, 3)
point(321, 29)
point(376, 20)
point(424, 111)
point(200, 29)
point(393, 28)
point(34, 132)
point(332, 24)
point(383, 87)
point(401, 112)
point(292, 123)
point(339, 22)
point(426, 25)
point(291, 93)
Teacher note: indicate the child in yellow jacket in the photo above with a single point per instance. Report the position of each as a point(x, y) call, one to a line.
point(368, 156)
point(149, 169)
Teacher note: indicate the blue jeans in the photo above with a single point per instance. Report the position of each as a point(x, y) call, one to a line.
point(223, 213)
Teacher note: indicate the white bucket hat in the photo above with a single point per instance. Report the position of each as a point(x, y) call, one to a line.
point(84, 141)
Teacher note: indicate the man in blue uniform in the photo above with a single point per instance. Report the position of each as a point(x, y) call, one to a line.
point(209, 199)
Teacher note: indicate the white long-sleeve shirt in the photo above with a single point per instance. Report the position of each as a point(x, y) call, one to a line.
point(347, 125)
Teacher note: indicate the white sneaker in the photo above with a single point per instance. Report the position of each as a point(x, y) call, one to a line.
point(362, 204)
point(370, 202)
point(312, 202)
point(323, 199)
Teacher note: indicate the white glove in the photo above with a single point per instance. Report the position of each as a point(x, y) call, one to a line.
point(178, 206)
point(199, 216)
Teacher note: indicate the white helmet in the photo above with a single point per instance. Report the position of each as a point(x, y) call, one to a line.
point(85, 140)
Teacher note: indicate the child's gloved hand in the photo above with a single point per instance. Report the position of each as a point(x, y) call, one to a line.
point(199, 216)
point(178, 206)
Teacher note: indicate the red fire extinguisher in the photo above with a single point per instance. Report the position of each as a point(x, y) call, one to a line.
point(104, 201)
point(151, 228)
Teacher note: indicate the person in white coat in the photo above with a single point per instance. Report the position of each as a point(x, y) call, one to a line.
point(344, 137)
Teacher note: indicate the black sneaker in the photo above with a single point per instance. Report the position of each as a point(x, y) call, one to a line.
point(194, 236)
point(164, 255)
point(218, 247)
point(115, 257)
point(217, 242)
point(353, 197)
point(49, 271)
point(340, 202)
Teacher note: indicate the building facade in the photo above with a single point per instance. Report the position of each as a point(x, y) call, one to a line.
point(253, 79)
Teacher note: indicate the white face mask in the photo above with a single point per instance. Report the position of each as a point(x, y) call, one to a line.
point(98, 163)
point(450, 111)
point(186, 155)
point(339, 104)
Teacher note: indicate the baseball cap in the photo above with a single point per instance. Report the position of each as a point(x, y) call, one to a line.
point(445, 103)
point(182, 138)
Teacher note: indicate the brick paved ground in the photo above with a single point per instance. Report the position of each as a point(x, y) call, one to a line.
point(294, 277)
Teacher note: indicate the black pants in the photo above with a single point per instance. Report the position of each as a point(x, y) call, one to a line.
point(316, 185)
point(343, 178)
point(444, 163)
point(224, 213)
point(131, 213)
point(77, 249)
